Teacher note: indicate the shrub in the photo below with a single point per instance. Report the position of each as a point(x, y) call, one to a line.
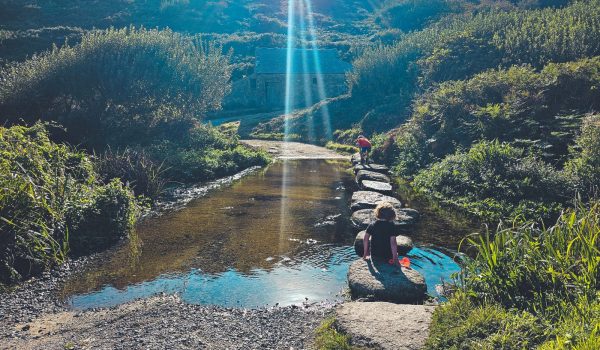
point(494, 180)
point(50, 198)
point(585, 166)
point(541, 111)
point(107, 216)
point(117, 85)
point(134, 167)
point(411, 15)
point(204, 153)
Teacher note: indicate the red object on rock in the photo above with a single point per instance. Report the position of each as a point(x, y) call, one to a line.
point(404, 262)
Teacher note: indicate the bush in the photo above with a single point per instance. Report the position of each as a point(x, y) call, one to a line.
point(50, 199)
point(411, 15)
point(204, 153)
point(494, 181)
point(134, 167)
point(117, 86)
point(107, 216)
point(585, 166)
point(535, 110)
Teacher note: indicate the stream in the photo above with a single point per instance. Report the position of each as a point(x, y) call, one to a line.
point(278, 236)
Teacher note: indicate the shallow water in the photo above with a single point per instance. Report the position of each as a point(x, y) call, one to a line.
point(278, 236)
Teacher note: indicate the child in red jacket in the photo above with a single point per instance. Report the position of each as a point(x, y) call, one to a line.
point(364, 146)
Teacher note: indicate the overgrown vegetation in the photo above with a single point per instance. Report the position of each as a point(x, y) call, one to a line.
point(118, 87)
point(135, 98)
point(51, 203)
point(528, 287)
point(386, 78)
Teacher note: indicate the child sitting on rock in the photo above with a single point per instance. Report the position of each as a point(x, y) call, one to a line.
point(383, 234)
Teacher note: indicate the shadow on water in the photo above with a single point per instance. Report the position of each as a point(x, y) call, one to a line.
point(279, 235)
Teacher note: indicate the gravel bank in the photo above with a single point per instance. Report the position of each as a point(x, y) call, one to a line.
point(33, 317)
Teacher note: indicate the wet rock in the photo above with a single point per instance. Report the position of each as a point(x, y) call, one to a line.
point(382, 325)
point(384, 282)
point(372, 176)
point(405, 244)
point(362, 218)
point(370, 199)
point(378, 168)
point(376, 186)
point(411, 213)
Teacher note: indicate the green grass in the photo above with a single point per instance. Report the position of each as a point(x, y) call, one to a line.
point(527, 287)
point(341, 148)
point(328, 338)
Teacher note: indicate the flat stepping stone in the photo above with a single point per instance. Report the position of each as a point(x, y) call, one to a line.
point(405, 244)
point(378, 168)
point(362, 218)
point(411, 213)
point(372, 176)
point(381, 325)
point(376, 186)
point(370, 199)
point(380, 281)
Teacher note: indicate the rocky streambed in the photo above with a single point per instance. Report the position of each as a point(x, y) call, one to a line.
point(36, 315)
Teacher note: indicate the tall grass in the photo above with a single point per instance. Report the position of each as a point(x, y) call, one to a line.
point(537, 269)
point(527, 287)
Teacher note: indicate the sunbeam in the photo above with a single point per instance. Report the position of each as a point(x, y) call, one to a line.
point(326, 120)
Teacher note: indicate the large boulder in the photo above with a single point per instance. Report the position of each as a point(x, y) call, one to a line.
point(370, 199)
point(362, 218)
point(378, 168)
point(380, 281)
point(381, 325)
point(404, 243)
point(376, 186)
point(372, 176)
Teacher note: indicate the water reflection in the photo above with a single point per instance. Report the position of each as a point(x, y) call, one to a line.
point(279, 235)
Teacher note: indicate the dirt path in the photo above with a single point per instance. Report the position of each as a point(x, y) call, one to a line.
point(294, 150)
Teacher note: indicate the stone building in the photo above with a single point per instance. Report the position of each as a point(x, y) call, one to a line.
point(315, 74)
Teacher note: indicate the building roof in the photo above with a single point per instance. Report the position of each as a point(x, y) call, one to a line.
point(274, 61)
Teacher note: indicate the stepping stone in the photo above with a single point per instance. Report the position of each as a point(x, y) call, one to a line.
point(378, 168)
point(380, 281)
point(376, 186)
point(405, 244)
point(372, 176)
point(381, 325)
point(411, 213)
point(364, 217)
point(370, 199)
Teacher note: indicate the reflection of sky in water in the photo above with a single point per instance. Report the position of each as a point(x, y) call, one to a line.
point(287, 283)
